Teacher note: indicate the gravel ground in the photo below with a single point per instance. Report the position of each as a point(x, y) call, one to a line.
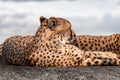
point(12, 72)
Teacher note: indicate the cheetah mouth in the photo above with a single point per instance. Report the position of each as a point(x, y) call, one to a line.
point(70, 41)
point(66, 41)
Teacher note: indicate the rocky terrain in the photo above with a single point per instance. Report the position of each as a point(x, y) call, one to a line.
point(12, 72)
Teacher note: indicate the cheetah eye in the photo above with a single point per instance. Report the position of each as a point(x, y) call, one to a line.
point(52, 23)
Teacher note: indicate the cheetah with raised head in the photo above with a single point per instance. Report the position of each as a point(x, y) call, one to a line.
point(18, 45)
point(51, 46)
point(109, 43)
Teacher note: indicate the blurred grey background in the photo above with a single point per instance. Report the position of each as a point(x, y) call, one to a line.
point(93, 17)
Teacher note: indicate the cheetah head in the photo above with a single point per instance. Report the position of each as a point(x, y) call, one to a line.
point(60, 28)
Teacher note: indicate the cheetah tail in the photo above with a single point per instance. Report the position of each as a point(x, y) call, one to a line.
point(0, 50)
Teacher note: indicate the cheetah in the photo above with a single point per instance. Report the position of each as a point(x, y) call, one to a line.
point(51, 47)
point(109, 43)
point(18, 45)
point(21, 41)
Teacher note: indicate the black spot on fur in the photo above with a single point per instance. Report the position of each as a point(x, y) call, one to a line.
point(76, 44)
point(96, 62)
point(88, 63)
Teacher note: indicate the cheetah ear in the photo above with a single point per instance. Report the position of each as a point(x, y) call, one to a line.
point(42, 18)
point(52, 22)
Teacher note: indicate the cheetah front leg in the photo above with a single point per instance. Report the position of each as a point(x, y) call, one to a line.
point(90, 58)
point(100, 58)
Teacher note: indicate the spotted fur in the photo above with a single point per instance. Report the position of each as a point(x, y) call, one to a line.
point(14, 49)
point(51, 46)
point(109, 43)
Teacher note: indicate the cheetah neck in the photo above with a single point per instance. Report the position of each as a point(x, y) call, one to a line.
point(42, 33)
point(45, 37)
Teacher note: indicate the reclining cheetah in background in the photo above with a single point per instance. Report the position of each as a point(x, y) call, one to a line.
point(21, 41)
point(51, 46)
point(99, 43)
point(17, 45)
